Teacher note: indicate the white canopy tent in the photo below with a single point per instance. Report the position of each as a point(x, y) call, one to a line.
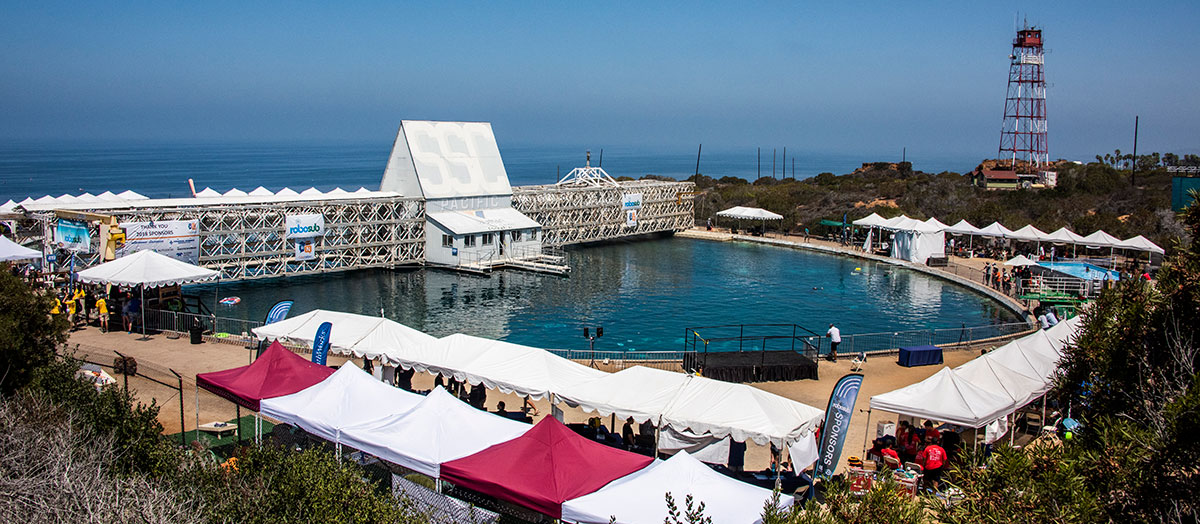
point(350, 396)
point(638, 497)
point(749, 213)
point(1028, 234)
point(946, 397)
point(1064, 236)
point(988, 387)
point(703, 405)
point(937, 224)
point(439, 429)
point(915, 240)
point(508, 367)
point(356, 335)
point(870, 220)
point(11, 251)
point(146, 269)
point(1101, 239)
point(995, 229)
point(1140, 243)
point(1020, 260)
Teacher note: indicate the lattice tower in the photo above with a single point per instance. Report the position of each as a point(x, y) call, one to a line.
point(1023, 135)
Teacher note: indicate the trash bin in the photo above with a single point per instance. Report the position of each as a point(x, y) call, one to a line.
point(197, 333)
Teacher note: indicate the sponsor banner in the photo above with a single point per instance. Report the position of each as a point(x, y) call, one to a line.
point(306, 249)
point(73, 235)
point(303, 226)
point(631, 201)
point(278, 312)
point(837, 423)
point(321, 343)
point(631, 217)
point(178, 239)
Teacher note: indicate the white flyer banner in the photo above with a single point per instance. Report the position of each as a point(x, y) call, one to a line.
point(178, 239)
point(631, 217)
point(305, 249)
point(631, 201)
point(304, 226)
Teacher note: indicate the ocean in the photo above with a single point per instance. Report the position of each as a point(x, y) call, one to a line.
point(37, 168)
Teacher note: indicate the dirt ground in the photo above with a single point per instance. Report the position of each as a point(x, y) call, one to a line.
point(160, 354)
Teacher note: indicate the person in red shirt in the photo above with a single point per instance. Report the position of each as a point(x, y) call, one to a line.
point(887, 451)
point(930, 430)
point(932, 460)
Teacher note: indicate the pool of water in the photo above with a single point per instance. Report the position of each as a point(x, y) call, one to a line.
point(645, 294)
point(1082, 270)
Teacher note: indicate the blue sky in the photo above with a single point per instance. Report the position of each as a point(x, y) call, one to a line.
point(868, 78)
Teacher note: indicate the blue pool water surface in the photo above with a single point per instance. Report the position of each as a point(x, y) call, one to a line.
point(1082, 270)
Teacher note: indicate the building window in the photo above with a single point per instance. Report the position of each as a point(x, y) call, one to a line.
point(533, 235)
point(469, 241)
point(487, 239)
point(516, 235)
point(447, 241)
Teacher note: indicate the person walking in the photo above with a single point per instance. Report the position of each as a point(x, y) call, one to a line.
point(835, 338)
point(102, 311)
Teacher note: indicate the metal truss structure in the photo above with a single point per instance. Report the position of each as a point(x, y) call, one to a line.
point(588, 176)
point(246, 241)
point(575, 214)
point(1023, 135)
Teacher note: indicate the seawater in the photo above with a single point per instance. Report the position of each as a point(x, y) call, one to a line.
point(34, 169)
point(644, 293)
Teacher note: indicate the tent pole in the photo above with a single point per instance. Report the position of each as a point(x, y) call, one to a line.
point(143, 292)
point(1043, 428)
point(238, 425)
point(197, 412)
point(1012, 430)
point(866, 434)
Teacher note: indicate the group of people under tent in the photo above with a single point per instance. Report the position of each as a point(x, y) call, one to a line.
point(928, 447)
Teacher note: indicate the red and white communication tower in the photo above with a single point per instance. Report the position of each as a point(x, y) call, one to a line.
point(1023, 136)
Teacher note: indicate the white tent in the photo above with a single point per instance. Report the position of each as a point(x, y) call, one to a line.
point(870, 220)
point(511, 368)
point(8, 206)
point(337, 191)
point(287, 191)
point(67, 199)
point(261, 191)
point(350, 396)
point(131, 195)
point(108, 196)
point(991, 373)
point(146, 269)
point(312, 191)
point(235, 192)
point(439, 429)
point(937, 224)
point(1028, 233)
point(915, 240)
point(208, 192)
point(1064, 236)
point(703, 405)
point(1020, 260)
point(994, 230)
point(1101, 239)
point(948, 398)
point(357, 335)
point(638, 497)
point(88, 197)
point(11, 251)
point(749, 213)
point(1140, 243)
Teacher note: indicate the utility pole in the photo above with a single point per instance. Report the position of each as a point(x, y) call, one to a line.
point(760, 162)
point(772, 162)
point(698, 149)
point(783, 165)
point(1133, 167)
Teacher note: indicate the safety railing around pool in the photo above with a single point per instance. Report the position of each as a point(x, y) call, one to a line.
point(213, 328)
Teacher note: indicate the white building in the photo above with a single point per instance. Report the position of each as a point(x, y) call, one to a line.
point(456, 167)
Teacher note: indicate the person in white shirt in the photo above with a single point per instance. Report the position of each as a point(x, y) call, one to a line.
point(835, 338)
point(1051, 318)
point(1041, 318)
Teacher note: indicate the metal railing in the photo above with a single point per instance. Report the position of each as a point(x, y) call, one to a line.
point(233, 330)
point(618, 360)
point(889, 341)
point(767, 337)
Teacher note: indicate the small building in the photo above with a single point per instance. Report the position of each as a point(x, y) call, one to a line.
point(1003, 179)
point(456, 168)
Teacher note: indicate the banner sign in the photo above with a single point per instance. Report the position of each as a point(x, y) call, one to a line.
point(178, 239)
point(631, 201)
point(321, 343)
point(305, 249)
point(73, 235)
point(278, 312)
point(303, 226)
point(837, 423)
point(631, 216)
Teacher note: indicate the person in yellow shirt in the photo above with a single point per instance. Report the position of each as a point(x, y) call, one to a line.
point(57, 309)
point(102, 310)
point(71, 313)
point(80, 303)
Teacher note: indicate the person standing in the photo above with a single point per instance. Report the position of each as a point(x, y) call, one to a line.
point(932, 459)
point(102, 311)
point(835, 338)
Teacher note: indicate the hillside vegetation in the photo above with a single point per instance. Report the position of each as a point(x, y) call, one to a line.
point(1088, 197)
